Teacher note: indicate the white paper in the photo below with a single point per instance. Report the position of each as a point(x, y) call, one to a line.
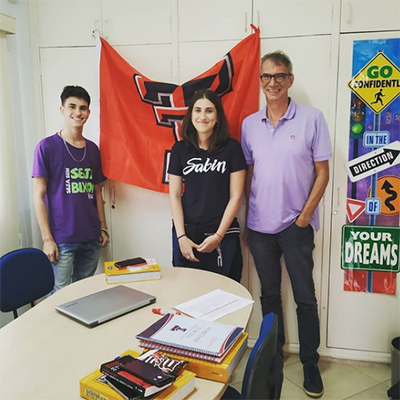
point(213, 305)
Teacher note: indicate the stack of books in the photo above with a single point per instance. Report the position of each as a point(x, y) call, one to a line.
point(111, 382)
point(213, 350)
point(150, 270)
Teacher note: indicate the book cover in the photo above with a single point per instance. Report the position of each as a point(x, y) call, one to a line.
point(149, 271)
point(215, 371)
point(192, 334)
point(94, 386)
point(124, 391)
point(114, 370)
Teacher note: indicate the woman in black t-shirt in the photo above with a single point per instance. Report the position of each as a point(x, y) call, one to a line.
point(212, 168)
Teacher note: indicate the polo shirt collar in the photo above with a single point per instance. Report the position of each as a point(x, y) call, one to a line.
point(289, 114)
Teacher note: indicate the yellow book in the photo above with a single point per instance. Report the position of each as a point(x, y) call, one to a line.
point(149, 271)
point(94, 386)
point(220, 372)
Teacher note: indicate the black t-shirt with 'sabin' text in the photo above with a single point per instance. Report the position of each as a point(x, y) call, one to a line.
point(207, 179)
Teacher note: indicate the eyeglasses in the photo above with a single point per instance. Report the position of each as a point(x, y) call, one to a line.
point(266, 78)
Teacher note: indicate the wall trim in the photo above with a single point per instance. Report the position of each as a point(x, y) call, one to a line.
point(345, 354)
point(7, 24)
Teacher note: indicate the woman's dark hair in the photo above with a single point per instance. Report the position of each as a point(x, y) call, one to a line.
point(220, 135)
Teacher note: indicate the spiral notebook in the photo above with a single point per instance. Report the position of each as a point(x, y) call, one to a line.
point(192, 335)
point(183, 353)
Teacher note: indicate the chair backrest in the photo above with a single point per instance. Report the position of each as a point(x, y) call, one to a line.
point(259, 374)
point(25, 276)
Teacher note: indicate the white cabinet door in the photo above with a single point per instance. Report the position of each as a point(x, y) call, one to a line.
point(311, 87)
point(311, 68)
point(140, 224)
point(370, 15)
point(140, 218)
point(280, 18)
point(71, 66)
point(192, 64)
point(356, 320)
point(67, 22)
point(312, 77)
point(214, 20)
point(137, 21)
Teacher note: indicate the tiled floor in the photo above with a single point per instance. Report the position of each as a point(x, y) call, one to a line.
point(343, 380)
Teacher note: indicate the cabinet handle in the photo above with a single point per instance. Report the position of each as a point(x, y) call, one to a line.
point(349, 14)
point(95, 29)
point(338, 197)
point(245, 21)
point(106, 29)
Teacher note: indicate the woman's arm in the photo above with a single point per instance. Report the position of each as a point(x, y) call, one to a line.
point(237, 180)
point(175, 197)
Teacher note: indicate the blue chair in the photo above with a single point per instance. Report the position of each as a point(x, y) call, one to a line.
point(25, 276)
point(263, 376)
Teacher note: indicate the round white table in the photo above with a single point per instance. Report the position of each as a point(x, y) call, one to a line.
point(44, 354)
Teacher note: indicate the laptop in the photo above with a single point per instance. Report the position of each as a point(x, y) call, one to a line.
point(102, 306)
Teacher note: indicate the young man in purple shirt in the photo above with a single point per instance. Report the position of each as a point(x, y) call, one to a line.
point(287, 148)
point(67, 194)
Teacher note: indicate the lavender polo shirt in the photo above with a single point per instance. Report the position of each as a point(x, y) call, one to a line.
point(283, 158)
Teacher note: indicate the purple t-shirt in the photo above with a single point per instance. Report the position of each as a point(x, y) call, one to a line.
point(283, 158)
point(71, 199)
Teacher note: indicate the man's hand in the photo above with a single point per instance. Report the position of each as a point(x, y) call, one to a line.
point(50, 248)
point(104, 239)
point(302, 222)
point(187, 246)
point(209, 244)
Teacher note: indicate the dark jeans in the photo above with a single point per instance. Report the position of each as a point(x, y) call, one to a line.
point(296, 244)
point(232, 260)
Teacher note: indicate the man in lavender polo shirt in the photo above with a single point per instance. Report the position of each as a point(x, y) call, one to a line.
point(287, 148)
point(67, 194)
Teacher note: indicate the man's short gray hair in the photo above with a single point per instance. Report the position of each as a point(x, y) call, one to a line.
point(278, 57)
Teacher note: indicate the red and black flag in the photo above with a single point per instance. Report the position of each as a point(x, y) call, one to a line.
point(140, 119)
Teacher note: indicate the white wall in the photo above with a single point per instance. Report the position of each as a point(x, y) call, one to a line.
point(24, 127)
point(9, 215)
point(23, 135)
point(27, 114)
